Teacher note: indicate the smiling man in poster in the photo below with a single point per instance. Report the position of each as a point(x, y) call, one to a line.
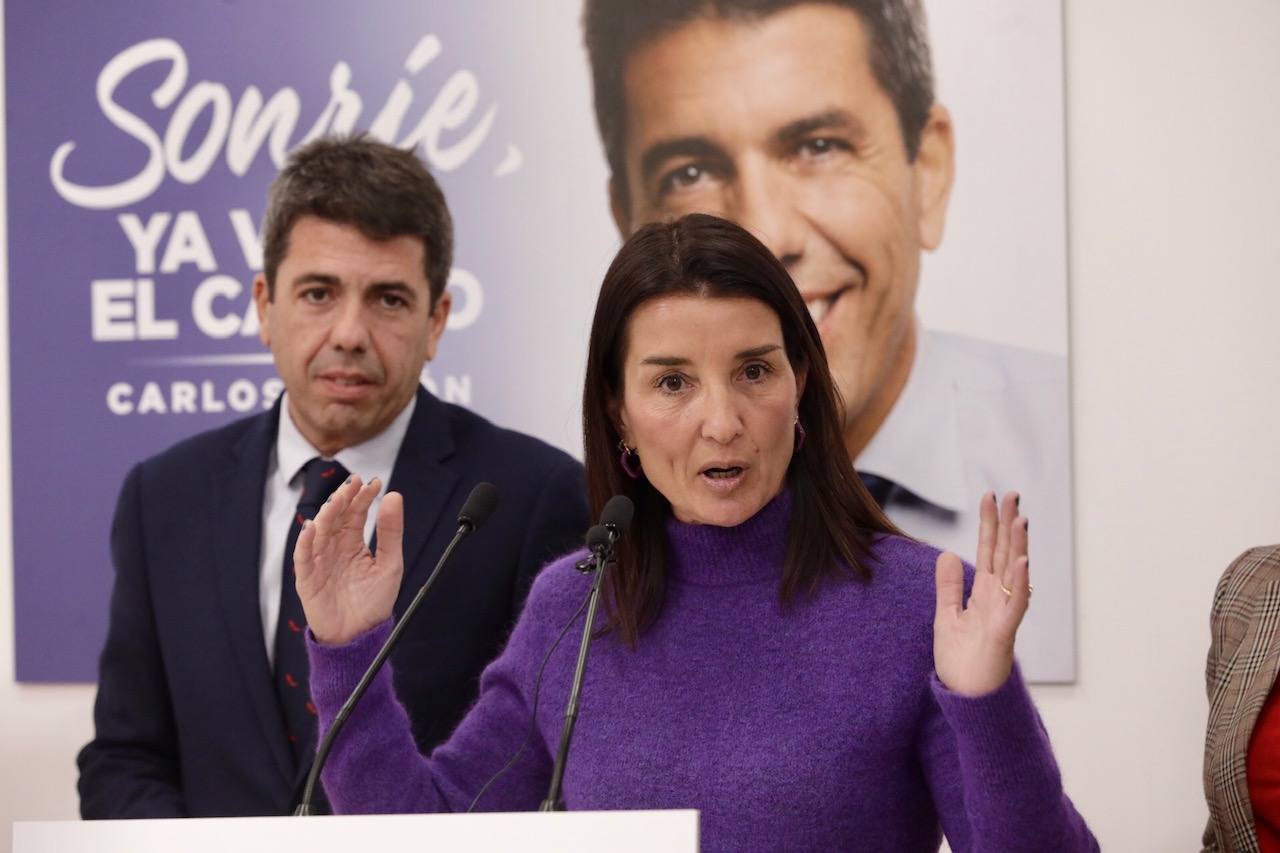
point(815, 125)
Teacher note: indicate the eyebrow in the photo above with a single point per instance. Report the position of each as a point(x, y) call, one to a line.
point(686, 146)
point(756, 352)
point(328, 280)
point(793, 132)
point(392, 287)
point(316, 278)
point(679, 361)
point(789, 134)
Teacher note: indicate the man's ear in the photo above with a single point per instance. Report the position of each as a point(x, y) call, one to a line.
point(935, 172)
point(618, 207)
point(439, 319)
point(261, 299)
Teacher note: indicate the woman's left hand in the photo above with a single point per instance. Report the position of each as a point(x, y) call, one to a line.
point(973, 645)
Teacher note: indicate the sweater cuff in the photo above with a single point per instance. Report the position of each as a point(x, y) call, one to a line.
point(335, 670)
point(999, 735)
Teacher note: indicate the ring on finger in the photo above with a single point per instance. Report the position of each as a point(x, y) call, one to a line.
point(1030, 589)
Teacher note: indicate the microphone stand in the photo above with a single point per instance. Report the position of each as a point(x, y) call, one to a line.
point(599, 564)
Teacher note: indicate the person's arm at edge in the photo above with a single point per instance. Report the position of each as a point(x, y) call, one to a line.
point(131, 769)
point(1209, 839)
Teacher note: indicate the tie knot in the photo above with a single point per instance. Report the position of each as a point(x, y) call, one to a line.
point(320, 478)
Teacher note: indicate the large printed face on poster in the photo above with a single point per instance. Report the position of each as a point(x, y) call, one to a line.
point(931, 249)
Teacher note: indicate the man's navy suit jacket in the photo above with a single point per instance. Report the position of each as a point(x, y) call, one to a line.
point(187, 720)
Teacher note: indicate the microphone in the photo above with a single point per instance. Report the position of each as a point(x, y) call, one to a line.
point(598, 539)
point(475, 511)
point(615, 518)
point(479, 505)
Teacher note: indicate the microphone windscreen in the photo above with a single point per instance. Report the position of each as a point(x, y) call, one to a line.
point(617, 514)
point(479, 506)
point(597, 538)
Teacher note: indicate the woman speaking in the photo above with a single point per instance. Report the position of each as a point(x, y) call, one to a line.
point(772, 651)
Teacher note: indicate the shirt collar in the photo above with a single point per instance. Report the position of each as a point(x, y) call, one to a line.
point(373, 458)
point(918, 445)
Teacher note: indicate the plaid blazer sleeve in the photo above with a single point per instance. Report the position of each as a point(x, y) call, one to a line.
point(1241, 668)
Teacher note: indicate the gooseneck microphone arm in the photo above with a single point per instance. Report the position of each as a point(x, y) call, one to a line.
point(600, 562)
point(478, 507)
point(600, 541)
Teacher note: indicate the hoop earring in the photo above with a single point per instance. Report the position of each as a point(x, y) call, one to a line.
point(800, 434)
point(629, 460)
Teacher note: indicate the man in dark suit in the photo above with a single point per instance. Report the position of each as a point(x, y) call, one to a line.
point(202, 705)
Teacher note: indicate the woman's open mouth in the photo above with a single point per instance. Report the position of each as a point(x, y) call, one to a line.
point(722, 479)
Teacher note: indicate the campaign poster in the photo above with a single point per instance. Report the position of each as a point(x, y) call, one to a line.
point(140, 140)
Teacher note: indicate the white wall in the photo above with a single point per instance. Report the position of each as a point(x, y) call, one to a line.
point(1174, 192)
point(1175, 335)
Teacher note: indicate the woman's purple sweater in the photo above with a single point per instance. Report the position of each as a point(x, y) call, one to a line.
point(819, 725)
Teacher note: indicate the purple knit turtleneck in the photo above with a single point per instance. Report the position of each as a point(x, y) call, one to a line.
point(814, 726)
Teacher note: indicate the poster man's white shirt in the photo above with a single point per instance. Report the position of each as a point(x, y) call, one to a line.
point(974, 417)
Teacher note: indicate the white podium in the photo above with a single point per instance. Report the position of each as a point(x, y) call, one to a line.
point(530, 832)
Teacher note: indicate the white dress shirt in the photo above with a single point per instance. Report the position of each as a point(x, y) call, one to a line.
point(977, 416)
point(374, 458)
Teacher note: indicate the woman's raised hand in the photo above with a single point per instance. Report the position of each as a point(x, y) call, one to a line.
point(344, 589)
point(973, 645)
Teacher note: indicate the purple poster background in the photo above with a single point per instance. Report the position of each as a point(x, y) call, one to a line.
point(135, 193)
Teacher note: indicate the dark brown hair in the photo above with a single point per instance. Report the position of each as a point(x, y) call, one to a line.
point(833, 515)
point(379, 189)
point(615, 29)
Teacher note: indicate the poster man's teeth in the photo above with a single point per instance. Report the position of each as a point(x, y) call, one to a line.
point(818, 308)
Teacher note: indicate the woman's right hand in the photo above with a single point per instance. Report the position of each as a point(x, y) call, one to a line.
point(344, 588)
